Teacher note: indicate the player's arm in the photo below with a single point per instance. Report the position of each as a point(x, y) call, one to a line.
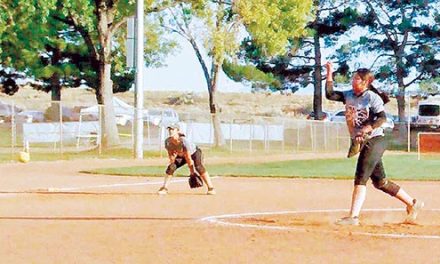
point(331, 94)
point(172, 156)
point(378, 111)
point(189, 161)
point(379, 119)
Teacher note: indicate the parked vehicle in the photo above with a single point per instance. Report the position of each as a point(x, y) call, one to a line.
point(428, 113)
point(339, 116)
point(327, 116)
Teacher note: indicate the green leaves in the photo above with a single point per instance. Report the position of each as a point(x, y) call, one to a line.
point(271, 23)
point(249, 73)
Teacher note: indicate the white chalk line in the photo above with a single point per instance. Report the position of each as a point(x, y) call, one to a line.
point(102, 186)
point(217, 220)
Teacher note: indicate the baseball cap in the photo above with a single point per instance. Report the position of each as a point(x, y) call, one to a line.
point(173, 125)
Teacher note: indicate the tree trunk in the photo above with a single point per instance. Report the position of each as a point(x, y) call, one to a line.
point(218, 135)
point(211, 82)
point(401, 106)
point(109, 131)
point(317, 79)
point(55, 98)
point(403, 130)
point(401, 94)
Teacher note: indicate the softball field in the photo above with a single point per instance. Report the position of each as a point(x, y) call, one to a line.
point(51, 213)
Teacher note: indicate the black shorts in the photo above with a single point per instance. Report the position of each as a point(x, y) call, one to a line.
point(197, 158)
point(369, 163)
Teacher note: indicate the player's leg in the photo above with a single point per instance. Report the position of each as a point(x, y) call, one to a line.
point(369, 157)
point(413, 206)
point(169, 172)
point(197, 157)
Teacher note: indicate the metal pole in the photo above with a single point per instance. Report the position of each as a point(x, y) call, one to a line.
point(13, 130)
point(297, 136)
point(61, 127)
point(139, 91)
point(409, 123)
point(251, 134)
point(100, 129)
point(418, 146)
point(230, 135)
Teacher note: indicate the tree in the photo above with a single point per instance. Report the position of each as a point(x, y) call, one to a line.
point(99, 22)
point(218, 23)
point(300, 65)
point(78, 42)
point(19, 21)
point(403, 36)
point(430, 86)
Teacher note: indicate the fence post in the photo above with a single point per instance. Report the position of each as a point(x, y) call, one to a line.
point(311, 136)
point(325, 135)
point(337, 137)
point(409, 123)
point(230, 136)
point(297, 137)
point(251, 134)
point(61, 127)
point(282, 143)
point(160, 140)
point(99, 139)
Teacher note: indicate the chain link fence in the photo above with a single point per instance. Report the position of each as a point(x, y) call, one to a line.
point(60, 127)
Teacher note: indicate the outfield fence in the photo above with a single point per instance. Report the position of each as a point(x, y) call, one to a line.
point(59, 127)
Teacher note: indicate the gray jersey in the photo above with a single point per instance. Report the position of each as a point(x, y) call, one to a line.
point(360, 110)
point(183, 145)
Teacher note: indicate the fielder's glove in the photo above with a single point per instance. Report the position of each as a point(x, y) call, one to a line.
point(195, 181)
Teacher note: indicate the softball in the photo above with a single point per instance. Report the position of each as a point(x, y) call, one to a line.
point(24, 156)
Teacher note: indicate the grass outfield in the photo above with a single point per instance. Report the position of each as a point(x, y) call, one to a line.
point(402, 167)
point(117, 153)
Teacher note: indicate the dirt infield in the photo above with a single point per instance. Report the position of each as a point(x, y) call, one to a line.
point(109, 219)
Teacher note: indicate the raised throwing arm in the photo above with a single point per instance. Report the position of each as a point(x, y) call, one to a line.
point(330, 94)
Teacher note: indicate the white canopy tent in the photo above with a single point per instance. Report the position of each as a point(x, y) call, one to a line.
point(121, 108)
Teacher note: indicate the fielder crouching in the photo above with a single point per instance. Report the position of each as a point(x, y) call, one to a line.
point(181, 151)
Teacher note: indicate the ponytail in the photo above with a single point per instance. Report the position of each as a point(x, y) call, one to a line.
point(383, 95)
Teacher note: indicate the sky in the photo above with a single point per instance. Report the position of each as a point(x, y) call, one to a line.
point(184, 73)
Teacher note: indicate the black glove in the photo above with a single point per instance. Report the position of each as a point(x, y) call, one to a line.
point(195, 181)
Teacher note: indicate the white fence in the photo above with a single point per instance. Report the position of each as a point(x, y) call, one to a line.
point(67, 130)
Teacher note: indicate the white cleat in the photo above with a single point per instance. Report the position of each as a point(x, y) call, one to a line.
point(348, 221)
point(211, 191)
point(413, 210)
point(162, 191)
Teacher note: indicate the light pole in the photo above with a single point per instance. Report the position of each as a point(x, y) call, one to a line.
point(139, 90)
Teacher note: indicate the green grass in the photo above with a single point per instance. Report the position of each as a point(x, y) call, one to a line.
point(117, 153)
point(402, 167)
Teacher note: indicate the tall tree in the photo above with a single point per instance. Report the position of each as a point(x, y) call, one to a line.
point(19, 24)
point(269, 22)
point(301, 63)
point(98, 22)
point(403, 37)
point(79, 41)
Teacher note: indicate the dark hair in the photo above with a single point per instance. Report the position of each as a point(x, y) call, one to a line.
point(366, 73)
point(383, 95)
